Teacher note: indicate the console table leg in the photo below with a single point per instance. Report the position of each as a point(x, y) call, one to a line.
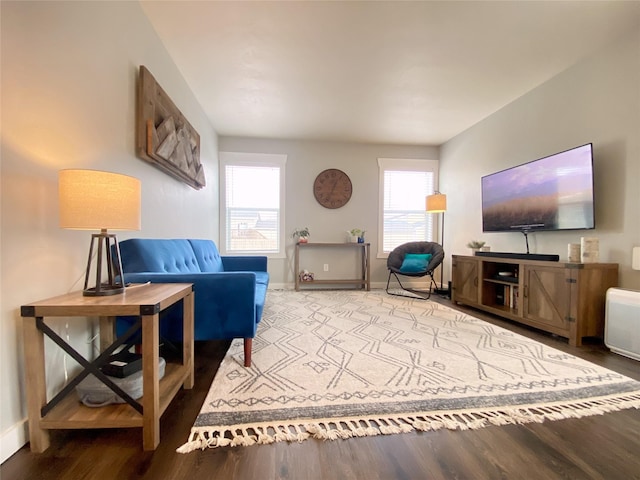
point(367, 254)
point(296, 267)
point(150, 382)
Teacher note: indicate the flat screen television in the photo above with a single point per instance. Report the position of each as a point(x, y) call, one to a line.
point(551, 193)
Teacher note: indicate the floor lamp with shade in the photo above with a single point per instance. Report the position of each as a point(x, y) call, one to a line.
point(96, 200)
point(437, 203)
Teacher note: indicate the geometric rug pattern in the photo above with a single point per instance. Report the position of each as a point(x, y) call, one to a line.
point(341, 364)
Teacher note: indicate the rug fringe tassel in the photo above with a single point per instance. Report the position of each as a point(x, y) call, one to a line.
point(343, 428)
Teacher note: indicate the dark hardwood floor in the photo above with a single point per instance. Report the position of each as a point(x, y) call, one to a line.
point(598, 447)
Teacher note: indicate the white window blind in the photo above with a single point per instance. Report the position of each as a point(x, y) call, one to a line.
point(252, 204)
point(405, 186)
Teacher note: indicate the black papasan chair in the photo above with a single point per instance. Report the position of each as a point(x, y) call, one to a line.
point(411, 259)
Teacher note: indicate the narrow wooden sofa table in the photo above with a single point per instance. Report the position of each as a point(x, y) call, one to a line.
point(65, 411)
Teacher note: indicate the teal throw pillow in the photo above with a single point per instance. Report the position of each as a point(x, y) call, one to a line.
point(415, 262)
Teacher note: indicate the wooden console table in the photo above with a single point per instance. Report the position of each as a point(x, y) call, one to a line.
point(365, 279)
point(65, 411)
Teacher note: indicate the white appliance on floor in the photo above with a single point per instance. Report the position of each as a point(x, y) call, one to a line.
point(622, 322)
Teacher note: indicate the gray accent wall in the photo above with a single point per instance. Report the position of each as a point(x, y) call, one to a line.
point(596, 101)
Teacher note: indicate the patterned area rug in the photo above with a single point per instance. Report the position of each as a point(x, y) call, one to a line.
point(341, 364)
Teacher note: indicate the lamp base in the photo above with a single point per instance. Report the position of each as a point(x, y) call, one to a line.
point(103, 291)
point(115, 284)
point(443, 292)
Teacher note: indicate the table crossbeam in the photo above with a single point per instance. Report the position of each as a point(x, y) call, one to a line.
point(89, 367)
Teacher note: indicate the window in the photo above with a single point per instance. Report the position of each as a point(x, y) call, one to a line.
point(252, 203)
point(404, 186)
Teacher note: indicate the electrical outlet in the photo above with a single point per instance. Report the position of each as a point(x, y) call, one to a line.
point(326, 267)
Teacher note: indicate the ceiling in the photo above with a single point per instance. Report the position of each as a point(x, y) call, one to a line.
point(376, 72)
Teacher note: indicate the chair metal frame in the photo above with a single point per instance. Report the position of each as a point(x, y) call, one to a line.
point(432, 285)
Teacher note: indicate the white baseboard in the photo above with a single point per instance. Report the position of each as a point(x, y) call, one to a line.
point(13, 439)
point(374, 285)
point(281, 286)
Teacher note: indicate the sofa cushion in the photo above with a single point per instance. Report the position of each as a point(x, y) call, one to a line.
point(207, 255)
point(160, 255)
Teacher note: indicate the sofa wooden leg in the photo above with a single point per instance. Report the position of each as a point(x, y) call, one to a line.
point(248, 343)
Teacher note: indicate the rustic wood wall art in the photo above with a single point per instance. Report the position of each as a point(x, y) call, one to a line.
point(164, 137)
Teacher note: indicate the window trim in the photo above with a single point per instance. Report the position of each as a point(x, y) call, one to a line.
point(251, 160)
point(401, 164)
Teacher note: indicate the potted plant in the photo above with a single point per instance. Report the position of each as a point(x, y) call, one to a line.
point(475, 245)
point(302, 234)
point(357, 235)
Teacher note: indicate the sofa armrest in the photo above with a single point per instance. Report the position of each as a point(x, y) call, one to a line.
point(244, 264)
point(225, 302)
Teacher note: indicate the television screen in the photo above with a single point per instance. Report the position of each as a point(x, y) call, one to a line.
point(551, 193)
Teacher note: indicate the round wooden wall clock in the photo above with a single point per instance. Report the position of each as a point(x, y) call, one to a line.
point(332, 188)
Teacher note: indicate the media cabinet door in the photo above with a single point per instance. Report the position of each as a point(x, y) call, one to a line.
point(465, 280)
point(548, 299)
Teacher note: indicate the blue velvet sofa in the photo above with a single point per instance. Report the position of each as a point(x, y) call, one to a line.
point(230, 291)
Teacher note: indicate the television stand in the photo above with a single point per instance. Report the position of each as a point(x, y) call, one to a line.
point(566, 299)
point(544, 257)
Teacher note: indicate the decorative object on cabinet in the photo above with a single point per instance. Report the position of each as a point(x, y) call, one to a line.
point(332, 188)
point(356, 235)
point(589, 249)
point(475, 245)
point(164, 137)
point(95, 200)
point(437, 203)
point(573, 252)
point(566, 299)
point(302, 234)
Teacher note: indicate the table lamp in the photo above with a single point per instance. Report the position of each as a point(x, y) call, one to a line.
point(437, 203)
point(95, 200)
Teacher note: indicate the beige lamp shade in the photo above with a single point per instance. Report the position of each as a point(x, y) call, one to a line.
point(95, 200)
point(436, 203)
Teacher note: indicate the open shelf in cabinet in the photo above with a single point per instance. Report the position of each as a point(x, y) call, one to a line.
point(501, 286)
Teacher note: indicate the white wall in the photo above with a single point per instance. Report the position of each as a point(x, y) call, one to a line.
point(69, 73)
point(305, 160)
point(596, 101)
